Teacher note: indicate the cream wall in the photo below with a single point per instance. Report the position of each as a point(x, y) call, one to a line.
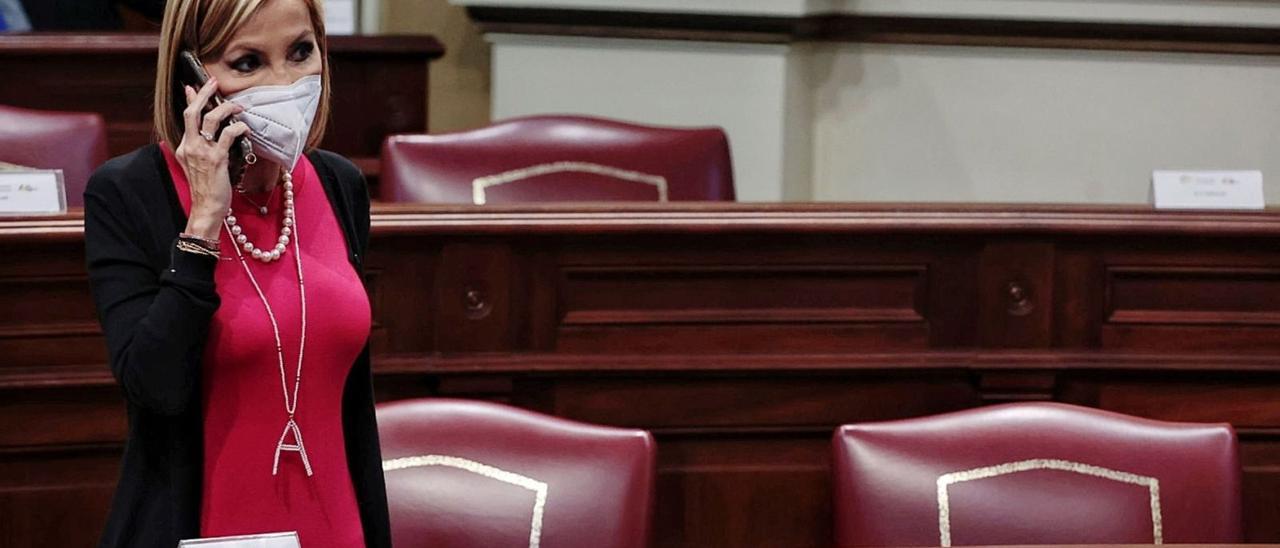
point(861, 122)
point(734, 86)
point(458, 97)
point(903, 123)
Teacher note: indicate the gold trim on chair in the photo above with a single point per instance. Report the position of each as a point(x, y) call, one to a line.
point(946, 480)
point(539, 488)
point(480, 185)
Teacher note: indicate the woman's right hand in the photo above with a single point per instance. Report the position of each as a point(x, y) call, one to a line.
point(204, 161)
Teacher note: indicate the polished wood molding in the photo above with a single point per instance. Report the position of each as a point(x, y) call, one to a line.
point(644, 25)
point(881, 29)
point(717, 217)
point(977, 362)
point(46, 43)
point(1054, 35)
point(704, 218)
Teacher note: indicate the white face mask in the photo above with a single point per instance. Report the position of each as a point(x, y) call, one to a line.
point(280, 118)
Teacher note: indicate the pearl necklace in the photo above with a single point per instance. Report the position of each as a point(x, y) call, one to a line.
point(290, 403)
point(286, 228)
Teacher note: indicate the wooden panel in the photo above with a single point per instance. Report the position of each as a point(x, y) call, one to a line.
point(379, 84)
point(758, 490)
point(1243, 403)
point(1260, 458)
point(33, 418)
point(740, 334)
point(474, 298)
point(1017, 294)
point(823, 402)
point(401, 279)
point(1193, 308)
point(57, 497)
point(1181, 295)
point(715, 339)
point(733, 295)
point(786, 308)
point(58, 328)
point(46, 309)
point(1079, 290)
point(1215, 296)
point(698, 295)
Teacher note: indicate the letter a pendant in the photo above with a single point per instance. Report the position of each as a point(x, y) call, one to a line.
point(282, 446)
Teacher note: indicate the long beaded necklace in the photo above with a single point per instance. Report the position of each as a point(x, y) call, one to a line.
point(288, 228)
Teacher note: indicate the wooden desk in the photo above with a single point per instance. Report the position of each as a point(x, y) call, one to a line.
point(379, 84)
point(740, 334)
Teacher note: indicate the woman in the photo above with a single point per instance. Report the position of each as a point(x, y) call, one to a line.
point(231, 302)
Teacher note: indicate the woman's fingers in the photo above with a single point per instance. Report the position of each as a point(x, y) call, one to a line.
point(233, 132)
point(214, 118)
point(206, 91)
point(195, 105)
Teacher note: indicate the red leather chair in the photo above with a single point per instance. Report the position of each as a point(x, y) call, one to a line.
point(75, 142)
point(463, 474)
point(558, 159)
point(1035, 473)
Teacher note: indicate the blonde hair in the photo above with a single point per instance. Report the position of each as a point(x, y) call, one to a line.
point(205, 27)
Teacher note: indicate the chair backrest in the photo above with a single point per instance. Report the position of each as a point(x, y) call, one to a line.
point(464, 474)
point(75, 142)
point(558, 159)
point(1035, 473)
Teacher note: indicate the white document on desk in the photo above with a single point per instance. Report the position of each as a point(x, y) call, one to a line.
point(265, 540)
point(1208, 190)
point(32, 192)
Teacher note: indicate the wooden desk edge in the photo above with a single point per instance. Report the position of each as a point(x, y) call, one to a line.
point(706, 218)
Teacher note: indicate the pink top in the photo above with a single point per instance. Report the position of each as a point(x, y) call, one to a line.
point(244, 412)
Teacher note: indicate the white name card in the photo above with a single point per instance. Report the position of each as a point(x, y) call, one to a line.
point(267, 540)
point(1208, 190)
point(32, 192)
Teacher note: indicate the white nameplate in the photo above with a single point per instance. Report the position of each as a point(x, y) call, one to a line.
point(32, 192)
point(266, 540)
point(1208, 190)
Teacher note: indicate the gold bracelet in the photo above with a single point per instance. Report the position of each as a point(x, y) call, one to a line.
point(212, 245)
point(198, 249)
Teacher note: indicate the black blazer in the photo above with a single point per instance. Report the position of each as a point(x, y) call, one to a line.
point(155, 304)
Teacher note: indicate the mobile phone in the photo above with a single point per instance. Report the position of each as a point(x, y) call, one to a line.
point(190, 72)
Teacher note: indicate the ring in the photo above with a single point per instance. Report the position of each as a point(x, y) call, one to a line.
point(207, 136)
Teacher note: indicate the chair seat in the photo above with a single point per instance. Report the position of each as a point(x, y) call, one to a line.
point(467, 474)
point(1035, 473)
point(75, 142)
point(558, 159)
